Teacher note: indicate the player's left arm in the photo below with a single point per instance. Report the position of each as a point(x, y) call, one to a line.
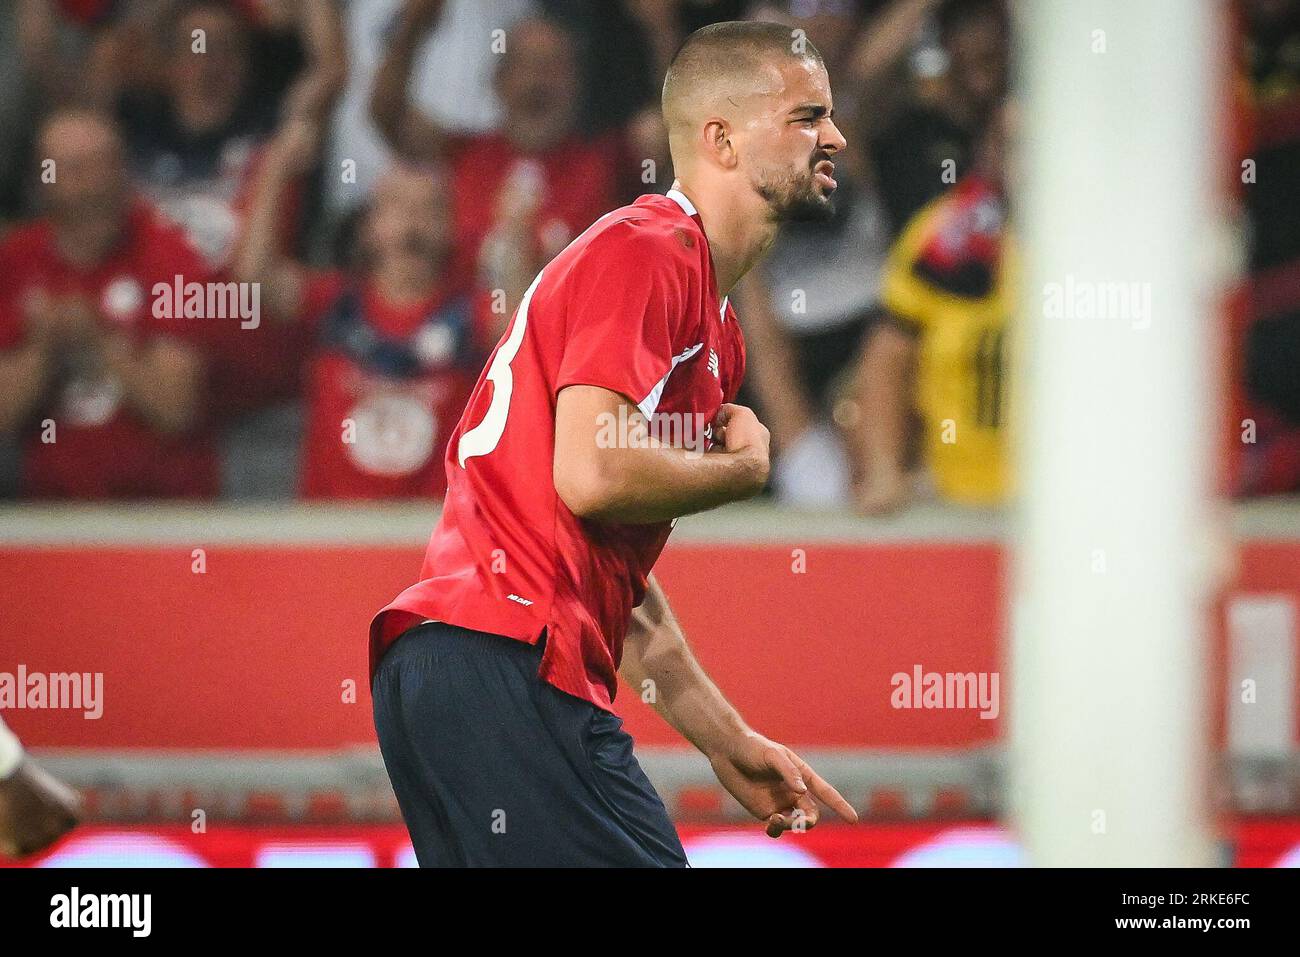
point(768, 779)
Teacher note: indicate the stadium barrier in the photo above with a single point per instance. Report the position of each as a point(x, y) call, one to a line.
point(229, 647)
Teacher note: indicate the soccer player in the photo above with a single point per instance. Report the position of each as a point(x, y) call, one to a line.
point(493, 676)
point(35, 809)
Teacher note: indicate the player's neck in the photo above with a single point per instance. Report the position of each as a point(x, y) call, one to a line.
point(739, 231)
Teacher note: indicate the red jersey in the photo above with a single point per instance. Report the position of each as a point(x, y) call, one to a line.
point(630, 306)
point(385, 389)
point(102, 448)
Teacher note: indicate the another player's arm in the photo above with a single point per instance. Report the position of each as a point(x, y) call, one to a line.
point(25, 374)
point(768, 779)
point(35, 809)
point(322, 80)
point(885, 41)
point(887, 370)
point(640, 481)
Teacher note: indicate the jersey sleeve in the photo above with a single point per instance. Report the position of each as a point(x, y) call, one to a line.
point(626, 305)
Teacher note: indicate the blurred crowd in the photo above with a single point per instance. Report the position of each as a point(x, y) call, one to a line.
point(260, 249)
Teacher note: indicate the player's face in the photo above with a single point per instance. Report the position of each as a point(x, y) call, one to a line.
point(790, 142)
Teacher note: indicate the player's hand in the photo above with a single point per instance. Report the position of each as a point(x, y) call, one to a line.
point(736, 427)
point(35, 810)
point(737, 430)
point(775, 785)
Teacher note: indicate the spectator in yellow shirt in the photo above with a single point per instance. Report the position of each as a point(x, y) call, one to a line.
point(938, 364)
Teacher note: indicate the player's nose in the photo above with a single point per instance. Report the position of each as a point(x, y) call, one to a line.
point(833, 140)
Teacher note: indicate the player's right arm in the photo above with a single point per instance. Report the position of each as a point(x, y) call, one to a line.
point(640, 482)
point(767, 778)
point(628, 320)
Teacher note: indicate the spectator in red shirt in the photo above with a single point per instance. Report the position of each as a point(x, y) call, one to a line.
point(194, 142)
point(108, 396)
point(194, 136)
point(396, 354)
point(521, 195)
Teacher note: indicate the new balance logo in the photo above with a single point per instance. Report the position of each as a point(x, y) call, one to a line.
point(713, 364)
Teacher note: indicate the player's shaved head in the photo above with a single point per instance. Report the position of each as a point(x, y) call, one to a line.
point(748, 109)
point(721, 68)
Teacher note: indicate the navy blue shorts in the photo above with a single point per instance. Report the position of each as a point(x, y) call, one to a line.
point(492, 766)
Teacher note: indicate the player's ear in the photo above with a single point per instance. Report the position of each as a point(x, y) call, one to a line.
point(719, 144)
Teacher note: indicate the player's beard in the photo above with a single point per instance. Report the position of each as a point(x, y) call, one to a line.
point(794, 197)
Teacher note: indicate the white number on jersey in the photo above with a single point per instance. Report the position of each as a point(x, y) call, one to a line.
point(483, 438)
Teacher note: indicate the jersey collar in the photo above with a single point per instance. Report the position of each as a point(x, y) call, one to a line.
point(678, 197)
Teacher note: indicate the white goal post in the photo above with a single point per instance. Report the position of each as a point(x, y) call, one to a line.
point(1116, 208)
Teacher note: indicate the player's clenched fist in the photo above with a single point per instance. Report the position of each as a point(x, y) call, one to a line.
point(736, 429)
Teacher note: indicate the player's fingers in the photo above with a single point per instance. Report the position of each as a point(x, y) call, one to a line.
point(727, 412)
point(830, 797)
point(822, 790)
point(802, 817)
point(777, 825)
point(778, 759)
point(806, 814)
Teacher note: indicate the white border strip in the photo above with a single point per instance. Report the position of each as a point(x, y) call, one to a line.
point(410, 524)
